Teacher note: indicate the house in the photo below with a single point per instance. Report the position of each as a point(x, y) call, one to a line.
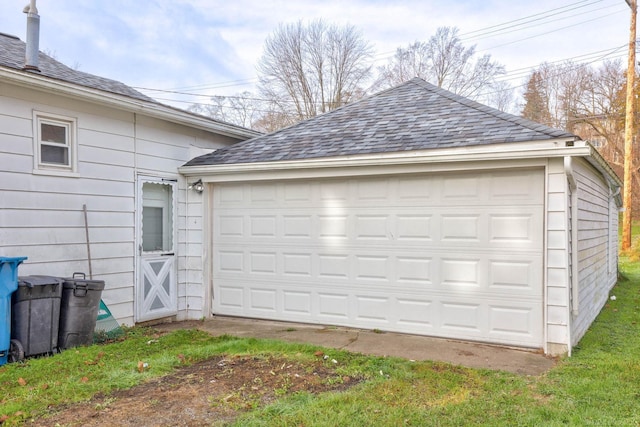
point(90, 183)
point(414, 210)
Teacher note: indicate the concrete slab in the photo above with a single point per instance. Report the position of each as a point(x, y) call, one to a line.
point(413, 347)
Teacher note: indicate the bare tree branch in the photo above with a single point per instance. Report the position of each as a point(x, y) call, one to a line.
point(445, 62)
point(315, 67)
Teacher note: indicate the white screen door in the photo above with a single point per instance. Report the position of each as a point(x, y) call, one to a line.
point(156, 293)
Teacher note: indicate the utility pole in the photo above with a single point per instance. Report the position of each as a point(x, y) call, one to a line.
point(629, 129)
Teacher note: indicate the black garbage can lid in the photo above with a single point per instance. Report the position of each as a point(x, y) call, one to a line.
point(31, 281)
point(80, 280)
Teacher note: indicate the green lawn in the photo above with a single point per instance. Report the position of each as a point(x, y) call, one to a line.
point(599, 385)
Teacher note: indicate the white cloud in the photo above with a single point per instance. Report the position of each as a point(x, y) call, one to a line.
point(179, 43)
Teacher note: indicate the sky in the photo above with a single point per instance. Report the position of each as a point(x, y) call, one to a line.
point(211, 47)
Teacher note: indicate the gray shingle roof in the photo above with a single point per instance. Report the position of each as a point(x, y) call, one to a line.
point(415, 115)
point(12, 53)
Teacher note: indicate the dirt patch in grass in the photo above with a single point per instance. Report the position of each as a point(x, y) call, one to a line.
point(207, 393)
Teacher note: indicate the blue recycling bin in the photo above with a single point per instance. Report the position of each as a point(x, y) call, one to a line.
point(8, 285)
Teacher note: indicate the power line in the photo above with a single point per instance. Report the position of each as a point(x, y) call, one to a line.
point(549, 32)
point(483, 32)
point(500, 32)
point(525, 18)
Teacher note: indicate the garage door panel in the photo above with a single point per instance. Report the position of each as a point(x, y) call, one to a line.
point(457, 228)
point(230, 195)
point(372, 309)
point(460, 317)
point(296, 264)
point(230, 261)
point(263, 300)
point(297, 303)
point(231, 299)
point(415, 314)
point(450, 255)
point(372, 190)
point(413, 227)
point(263, 194)
point(512, 274)
point(457, 273)
point(517, 229)
point(262, 226)
point(333, 226)
point(415, 189)
point(297, 192)
point(336, 191)
point(333, 306)
point(372, 268)
point(262, 263)
point(297, 226)
point(509, 320)
point(371, 227)
point(461, 189)
point(413, 270)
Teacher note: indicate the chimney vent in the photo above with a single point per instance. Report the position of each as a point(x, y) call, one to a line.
point(31, 62)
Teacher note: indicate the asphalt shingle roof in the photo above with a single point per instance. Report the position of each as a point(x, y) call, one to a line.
point(415, 115)
point(12, 54)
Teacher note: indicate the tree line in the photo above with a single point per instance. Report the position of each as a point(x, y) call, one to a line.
point(310, 69)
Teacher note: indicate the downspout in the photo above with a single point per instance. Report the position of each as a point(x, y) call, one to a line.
point(573, 186)
point(31, 60)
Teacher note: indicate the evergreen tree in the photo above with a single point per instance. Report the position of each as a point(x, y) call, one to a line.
point(536, 105)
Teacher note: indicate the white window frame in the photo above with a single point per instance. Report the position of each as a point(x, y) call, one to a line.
point(70, 124)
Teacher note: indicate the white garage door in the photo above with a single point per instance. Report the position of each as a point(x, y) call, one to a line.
point(450, 255)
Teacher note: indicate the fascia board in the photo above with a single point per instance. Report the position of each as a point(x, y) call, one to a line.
point(121, 102)
point(392, 162)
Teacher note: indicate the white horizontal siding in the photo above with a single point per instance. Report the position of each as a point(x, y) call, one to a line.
point(41, 215)
point(191, 265)
point(595, 229)
point(557, 290)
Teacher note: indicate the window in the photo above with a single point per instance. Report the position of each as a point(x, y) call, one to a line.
point(55, 142)
point(157, 217)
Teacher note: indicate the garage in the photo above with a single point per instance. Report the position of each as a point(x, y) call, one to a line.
point(413, 210)
point(402, 253)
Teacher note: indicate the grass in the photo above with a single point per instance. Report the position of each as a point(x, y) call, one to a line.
point(598, 385)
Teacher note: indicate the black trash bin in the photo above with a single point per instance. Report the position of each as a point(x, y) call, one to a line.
point(78, 310)
point(35, 316)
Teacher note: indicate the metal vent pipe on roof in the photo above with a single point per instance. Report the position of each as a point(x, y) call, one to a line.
point(31, 60)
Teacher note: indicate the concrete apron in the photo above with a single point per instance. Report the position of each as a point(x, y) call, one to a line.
point(413, 347)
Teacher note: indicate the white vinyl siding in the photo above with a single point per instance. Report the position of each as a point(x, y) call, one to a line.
point(456, 255)
point(41, 215)
point(557, 262)
point(595, 240)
